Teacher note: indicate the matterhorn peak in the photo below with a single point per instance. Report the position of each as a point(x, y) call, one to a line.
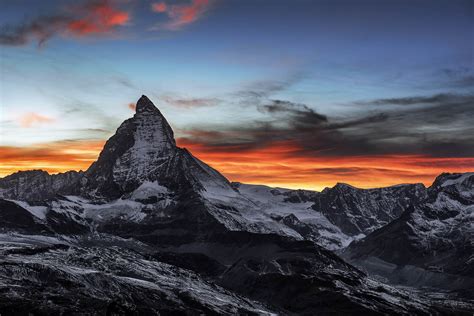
point(144, 149)
point(151, 126)
point(145, 105)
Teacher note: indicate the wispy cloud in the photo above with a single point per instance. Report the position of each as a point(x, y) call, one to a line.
point(262, 89)
point(92, 18)
point(30, 119)
point(461, 77)
point(132, 106)
point(159, 7)
point(418, 100)
point(180, 15)
point(181, 102)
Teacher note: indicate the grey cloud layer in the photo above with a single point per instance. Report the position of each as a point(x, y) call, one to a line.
point(439, 126)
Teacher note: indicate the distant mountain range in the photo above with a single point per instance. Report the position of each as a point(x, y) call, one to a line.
point(151, 229)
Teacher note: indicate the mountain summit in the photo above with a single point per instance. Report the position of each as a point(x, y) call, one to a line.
point(150, 122)
point(144, 149)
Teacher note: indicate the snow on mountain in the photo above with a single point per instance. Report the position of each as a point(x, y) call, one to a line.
point(38, 211)
point(437, 236)
point(38, 185)
point(297, 217)
point(361, 211)
point(143, 149)
point(116, 282)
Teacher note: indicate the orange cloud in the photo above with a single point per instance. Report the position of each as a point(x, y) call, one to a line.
point(31, 118)
point(278, 164)
point(99, 17)
point(181, 15)
point(159, 7)
point(53, 157)
point(274, 165)
point(95, 17)
point(132, 106)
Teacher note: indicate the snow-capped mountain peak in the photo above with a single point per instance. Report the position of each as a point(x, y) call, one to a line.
point(144, 149)
point(152, 128)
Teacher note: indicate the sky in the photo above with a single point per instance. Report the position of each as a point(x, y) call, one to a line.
point(299, 94)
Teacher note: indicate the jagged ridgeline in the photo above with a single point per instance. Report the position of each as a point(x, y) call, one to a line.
point(151, 229)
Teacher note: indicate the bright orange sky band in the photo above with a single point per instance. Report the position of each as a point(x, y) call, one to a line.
point(273, 166)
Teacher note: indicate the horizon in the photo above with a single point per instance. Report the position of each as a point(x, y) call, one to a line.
point(277, 187)
point(302, 95)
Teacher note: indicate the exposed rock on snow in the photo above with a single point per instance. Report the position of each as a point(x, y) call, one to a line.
point(437, 237)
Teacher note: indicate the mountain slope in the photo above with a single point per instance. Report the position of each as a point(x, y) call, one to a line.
point(437, 237)
point(38, 185)
point(52, 279)
point(359, 211)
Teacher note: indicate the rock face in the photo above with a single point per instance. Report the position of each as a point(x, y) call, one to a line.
point(357, 211)
point(437, 237)
point(336, 216)
point(144, 149)
point(150, 229)
point(38, 185)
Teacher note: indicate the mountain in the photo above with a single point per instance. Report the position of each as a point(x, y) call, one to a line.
point(358, 211)
point(334, 217)
point(149, 224)
point(38, 185)
point(437, 235)
point(144, 149)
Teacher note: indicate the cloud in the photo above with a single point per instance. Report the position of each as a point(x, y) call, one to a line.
point(181, 15)
point(41, 29)
point(97, 18)
point(53, 157)
point(461, 77)
point(159, 7)
point(190, 102)
point(300, 114)
point(31, 118)
point(279, 163)
point(257, 91)
point(93, 18)
point(438, 126)
point(419, 100)
point(132, 106)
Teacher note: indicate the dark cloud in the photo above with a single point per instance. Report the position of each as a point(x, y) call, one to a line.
point(440, 127)
point(40, 29)
point(419, 100)
point(300, 114)
point(462, 77)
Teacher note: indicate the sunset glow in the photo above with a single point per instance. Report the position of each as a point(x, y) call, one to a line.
point(273, 166)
